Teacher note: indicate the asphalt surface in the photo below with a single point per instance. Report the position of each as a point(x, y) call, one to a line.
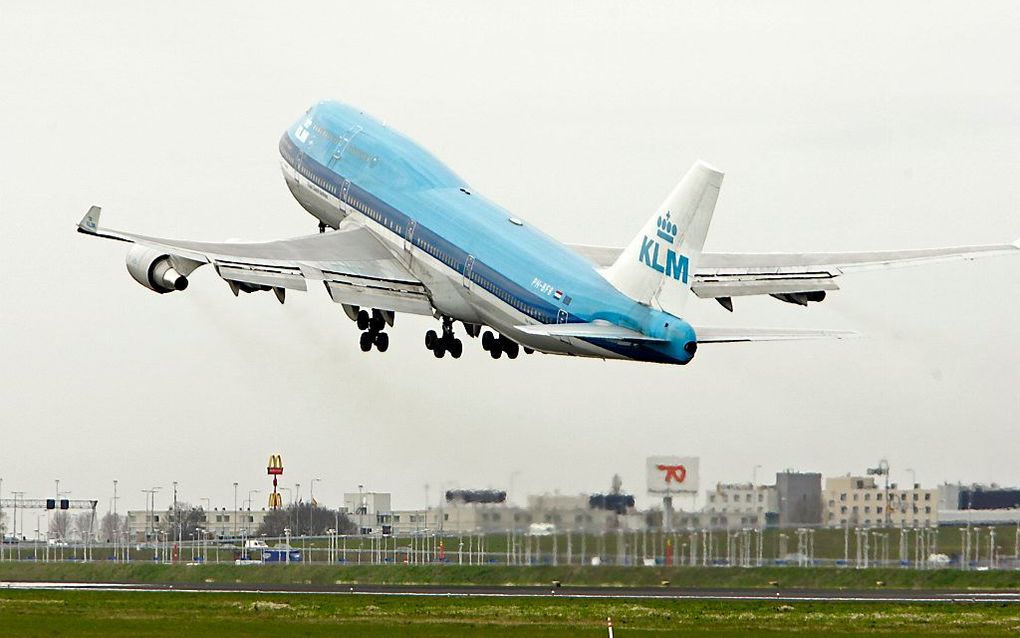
point(486, 591)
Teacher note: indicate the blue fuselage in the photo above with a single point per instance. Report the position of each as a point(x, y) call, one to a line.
point(401, 190)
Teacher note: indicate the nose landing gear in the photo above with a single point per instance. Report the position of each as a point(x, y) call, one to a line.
point(440, 344)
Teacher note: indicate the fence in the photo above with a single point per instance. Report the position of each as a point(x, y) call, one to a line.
point(922, 548)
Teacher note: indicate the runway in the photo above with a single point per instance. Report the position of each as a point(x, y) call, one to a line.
point(487, 591)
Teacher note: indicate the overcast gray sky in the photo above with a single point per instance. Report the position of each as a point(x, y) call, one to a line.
point(840, 126)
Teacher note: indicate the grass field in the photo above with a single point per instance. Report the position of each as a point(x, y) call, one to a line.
point(700, 577)
point(139, 614)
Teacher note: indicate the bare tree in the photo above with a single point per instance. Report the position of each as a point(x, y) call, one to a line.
point(304, 519)
point(85, 525)
point(60, 524)
point(109, 526)
point(187, 517)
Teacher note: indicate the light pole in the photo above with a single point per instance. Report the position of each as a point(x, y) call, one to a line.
point(362, 509)
point(38, 526)
point(883, 470)
point(177, 518)
point(311, 503)
point(17, 496)
point(247, 529)
point(513, 477)
point(235, 509)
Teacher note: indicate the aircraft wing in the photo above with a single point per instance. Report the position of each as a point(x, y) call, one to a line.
point(594, 330)
point(604, 330)
point(797, 277)
point(355, 267)
point(736, 335)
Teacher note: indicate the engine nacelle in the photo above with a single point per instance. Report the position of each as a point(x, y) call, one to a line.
point(153, 269)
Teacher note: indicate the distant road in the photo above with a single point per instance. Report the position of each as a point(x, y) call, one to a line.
point(483, 591)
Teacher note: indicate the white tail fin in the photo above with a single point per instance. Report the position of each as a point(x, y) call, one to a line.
point(656, 268)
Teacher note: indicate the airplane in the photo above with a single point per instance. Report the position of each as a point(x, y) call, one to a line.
point(400, 232)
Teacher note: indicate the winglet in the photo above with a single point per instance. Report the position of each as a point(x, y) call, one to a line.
point(90, 222)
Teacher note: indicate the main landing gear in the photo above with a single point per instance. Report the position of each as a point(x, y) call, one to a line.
point(446, 342)
point(372, 326)
point(496, 346)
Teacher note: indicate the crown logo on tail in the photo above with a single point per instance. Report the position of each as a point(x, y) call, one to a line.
point(667, 230)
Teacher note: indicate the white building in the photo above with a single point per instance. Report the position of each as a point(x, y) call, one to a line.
point(739, 505)
point(369, 511)
point(858, 501)
point(957, 505)
point(218, 523)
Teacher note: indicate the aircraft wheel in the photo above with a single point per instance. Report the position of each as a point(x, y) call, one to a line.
point(439, 350)
point(382, 341)
point(366, 341)
point(377, 323)
point(363, 320)
point(456, 348)
point(488, 340)
point(528, 350)
point(511, 348)
point(430, 339)
point(495, 353)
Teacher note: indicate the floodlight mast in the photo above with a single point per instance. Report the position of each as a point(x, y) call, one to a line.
point(883, 470)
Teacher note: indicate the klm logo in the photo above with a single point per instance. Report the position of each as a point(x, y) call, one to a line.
point(672, 264)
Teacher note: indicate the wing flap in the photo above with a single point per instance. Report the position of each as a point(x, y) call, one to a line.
point(275, 278)
point(384, 294)
point(744, 287)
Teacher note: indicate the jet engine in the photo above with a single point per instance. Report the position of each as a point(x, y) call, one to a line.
point(154, 270)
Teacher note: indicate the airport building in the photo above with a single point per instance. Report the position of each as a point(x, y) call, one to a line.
point(978, 505)
point(858, 501)
point(218, 523)
point(369, 511)
point(740, 505)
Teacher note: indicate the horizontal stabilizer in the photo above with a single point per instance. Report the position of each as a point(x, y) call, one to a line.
point(737, 335)
point(594, 330)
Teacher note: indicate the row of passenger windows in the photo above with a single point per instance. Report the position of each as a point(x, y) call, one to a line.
point(325, 133)
point(507, 298)
point(323, 184)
